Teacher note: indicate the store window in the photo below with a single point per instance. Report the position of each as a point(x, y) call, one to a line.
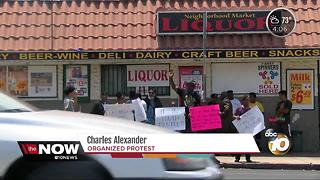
point(29, 81)
point(18, 80)
point(139, 78)
point(78, 77)
point(262, 78)
point(191, 73)
point(3, 78)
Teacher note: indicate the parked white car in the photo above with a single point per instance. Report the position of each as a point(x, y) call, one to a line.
point(21, 122)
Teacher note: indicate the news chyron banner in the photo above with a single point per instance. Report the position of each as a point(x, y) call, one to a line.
point(140, 146)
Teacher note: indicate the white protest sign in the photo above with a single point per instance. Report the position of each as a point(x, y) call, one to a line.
point(139, 111)
point(124, 111)
point(251, 122)
point(171, 118)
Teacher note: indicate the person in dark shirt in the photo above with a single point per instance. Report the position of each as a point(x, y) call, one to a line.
point(226, 114)
point(245, 107)
point(189, 97)
point(283, 111)
point(152, 102)
point(99, 107)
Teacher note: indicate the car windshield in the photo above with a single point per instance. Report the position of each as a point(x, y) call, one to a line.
point(11, 104)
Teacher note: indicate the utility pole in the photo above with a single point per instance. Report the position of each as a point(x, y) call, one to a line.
point(204, 46)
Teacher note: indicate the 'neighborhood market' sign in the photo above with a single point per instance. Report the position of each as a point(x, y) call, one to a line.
point(178, 54)
point(174, 23)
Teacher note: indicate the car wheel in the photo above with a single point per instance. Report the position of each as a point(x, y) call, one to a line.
point(25, 170)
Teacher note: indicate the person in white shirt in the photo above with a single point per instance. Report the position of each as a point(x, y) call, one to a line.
point(70, 100)
point(234, 101)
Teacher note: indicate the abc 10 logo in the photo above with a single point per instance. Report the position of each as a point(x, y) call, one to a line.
point(278, 143)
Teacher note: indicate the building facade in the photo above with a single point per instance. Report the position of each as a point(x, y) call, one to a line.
point(118, 46)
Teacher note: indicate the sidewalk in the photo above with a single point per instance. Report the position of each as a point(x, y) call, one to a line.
point(307, 161)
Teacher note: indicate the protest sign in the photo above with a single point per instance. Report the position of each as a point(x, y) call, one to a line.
point(139, 111)
point(205, 118)
point(124, 111)
point(171, 118)
point(251, 122)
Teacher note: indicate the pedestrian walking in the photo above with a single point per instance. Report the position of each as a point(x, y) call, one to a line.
point(100, 107)
point(245, 107)
point(189, 97)
point(71, 98)
point(283, 110)
point(234, 101)
point(152, 102)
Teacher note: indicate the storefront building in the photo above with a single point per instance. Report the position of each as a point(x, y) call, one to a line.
point(118, 46)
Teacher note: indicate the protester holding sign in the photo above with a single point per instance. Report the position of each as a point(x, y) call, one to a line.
point(152, 102)
point(144, 104)
point(253, 103)
point(234, 101)
point(190, 97)
point(241, 110)
point(139, 111)
point(226, 114)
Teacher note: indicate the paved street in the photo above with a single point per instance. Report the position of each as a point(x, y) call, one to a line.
point(269, 174)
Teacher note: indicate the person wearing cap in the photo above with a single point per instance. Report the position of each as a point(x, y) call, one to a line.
point(189, 97)
point(70, 100)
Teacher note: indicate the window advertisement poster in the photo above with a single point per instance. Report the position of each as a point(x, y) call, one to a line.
point(147, 75)
point(42, 81)
point(191, 73)
point(77, 76)
point(261, 78)
point(300, 87)
point(3, 78)
point(269, 77)
point(18, 80)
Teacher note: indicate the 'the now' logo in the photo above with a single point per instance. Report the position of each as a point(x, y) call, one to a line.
point(50, 147)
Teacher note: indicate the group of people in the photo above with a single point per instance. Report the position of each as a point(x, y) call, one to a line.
point(150, 103)
point(231, 108)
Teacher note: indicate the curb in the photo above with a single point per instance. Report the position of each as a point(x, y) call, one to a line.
point(271, 166)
